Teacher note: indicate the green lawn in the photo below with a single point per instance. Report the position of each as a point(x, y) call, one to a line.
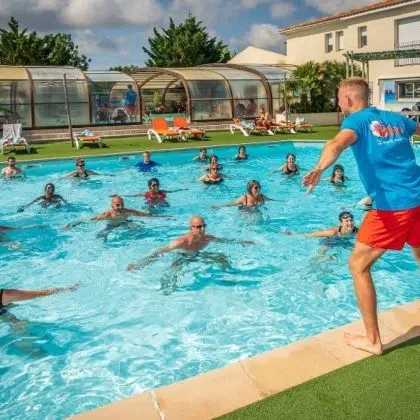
point(140, 143)
point(377, 388)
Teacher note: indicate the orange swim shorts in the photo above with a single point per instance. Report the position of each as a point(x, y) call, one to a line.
point(391, 229)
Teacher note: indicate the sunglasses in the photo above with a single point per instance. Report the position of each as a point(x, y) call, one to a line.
point(199, 226)
point(154, 185)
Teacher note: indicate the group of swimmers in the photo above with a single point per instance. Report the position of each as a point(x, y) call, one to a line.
point(193, 241)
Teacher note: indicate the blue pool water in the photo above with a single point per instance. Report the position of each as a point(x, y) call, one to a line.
point(125, 332)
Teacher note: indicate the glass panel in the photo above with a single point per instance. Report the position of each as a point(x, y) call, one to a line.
point(234, 74)
point(248, 108)
point(275, 73)
point(417, 90)
point(197, 74)
point(15, 114)
point(211, 110)
point(209, 89)
point(108, 76)
point(53, 91)
point(55, 73)
point(247, 89)
point(13, 73)
point(15, 92)
point(48, 115)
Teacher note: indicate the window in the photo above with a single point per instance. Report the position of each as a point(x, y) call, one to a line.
point(408, 33)
point(339, 41)
point(409, 90)
point(328, 43)
point(362, 36)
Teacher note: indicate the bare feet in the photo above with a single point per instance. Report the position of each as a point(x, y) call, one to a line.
point(361, 342)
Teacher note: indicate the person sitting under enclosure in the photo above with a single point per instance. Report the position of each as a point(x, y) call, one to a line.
point(264, 119)
point(48, 199)
point(289, 167)
point(81, 171)
point(11, 170)
point(8, 296)
point(191, 243)
point(253, 197)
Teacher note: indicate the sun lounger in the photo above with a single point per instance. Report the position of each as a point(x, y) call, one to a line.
point(283, 126)
point(87, 136)
point(302, 125)
point(12, 137)
point(247, 128)
point(181, 124)
point(162, 132)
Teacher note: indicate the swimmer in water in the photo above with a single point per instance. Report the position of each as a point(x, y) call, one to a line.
point(116, 216)
point(203, 156)
point(81, 172)
point(251, 199)
point(214, 161)
point(366, 203)
point(337, 176)
point(147, 164)
point(48, 199)
point(346, 229)
point(191, 243)
point(289, 167)
point(213, 176)
point(8, 296)
point(242, 154)
point(11, 170)
point(155, 195)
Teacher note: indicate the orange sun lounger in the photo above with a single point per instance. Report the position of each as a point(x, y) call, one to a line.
point(181, 124)
point(162, 132)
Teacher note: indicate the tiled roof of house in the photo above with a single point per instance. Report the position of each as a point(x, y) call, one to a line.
point(347, 13)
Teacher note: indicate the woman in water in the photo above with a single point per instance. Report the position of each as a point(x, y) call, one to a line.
point(81, 172)
point(346, 229)
point(202, 157)
point(242, 154)
point(337, 176)
point(212, 177)
point(155, 195)
point(214, 161)
point(253, 197)
point(48, 199)
point(290, 167)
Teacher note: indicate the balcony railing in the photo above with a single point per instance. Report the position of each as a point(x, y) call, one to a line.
point(413, 45)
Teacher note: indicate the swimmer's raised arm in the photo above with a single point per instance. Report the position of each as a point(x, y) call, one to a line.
point(232, 241)
point(327, 233)
point(6, 228)
point(279, 169)
point(61, 198)
point(142, 213)
point(238, 202)
point(174, 191)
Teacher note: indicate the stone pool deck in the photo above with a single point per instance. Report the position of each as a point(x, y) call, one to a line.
point(241, 383)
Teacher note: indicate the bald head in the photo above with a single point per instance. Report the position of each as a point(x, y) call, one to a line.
point(197, 225)
point(117, 202)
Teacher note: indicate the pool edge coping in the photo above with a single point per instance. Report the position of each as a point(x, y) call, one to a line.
point(243, 382)
point(176, 149)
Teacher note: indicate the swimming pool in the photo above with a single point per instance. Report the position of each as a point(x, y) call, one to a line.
point(124, 332)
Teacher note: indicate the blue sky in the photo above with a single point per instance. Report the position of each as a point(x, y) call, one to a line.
point(112, 32)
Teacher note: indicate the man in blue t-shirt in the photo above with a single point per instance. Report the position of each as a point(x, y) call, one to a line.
point(146, 165)
point(130, 102)
point(380, 141)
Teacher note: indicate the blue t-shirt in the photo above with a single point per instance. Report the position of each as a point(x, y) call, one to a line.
point(385, 158)
point(130, 97)
point(141, 166)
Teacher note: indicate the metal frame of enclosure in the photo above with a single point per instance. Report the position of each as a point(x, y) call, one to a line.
point(214, 92)
point(35, 95)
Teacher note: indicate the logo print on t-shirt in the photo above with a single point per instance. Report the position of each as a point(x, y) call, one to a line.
point(386, 133)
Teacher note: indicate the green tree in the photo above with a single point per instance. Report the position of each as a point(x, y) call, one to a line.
point(185, 45)
point(126, 69)
point(318, 84)
point(20, 47)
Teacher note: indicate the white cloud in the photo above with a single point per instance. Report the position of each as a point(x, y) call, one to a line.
point(330, 7)
point(89, 43)
point(56, 14)
point(282, 9)
point(264, 35)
